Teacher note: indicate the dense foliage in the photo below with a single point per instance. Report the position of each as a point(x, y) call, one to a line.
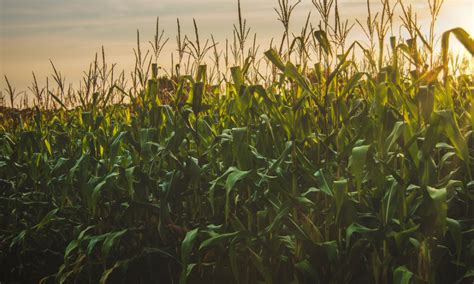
point(315, 176)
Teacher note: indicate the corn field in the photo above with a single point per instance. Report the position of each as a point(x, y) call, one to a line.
point(321, 161)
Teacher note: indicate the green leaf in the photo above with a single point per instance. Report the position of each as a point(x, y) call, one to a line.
point(110, 241)
point(278, 220)
point(451, 129)
point(454, 228)
point(434, 210)
point(237, 77)
point(186, 249)
point(129, 174)
point(357, 163)
point(308, 269)
point(463, 37)
point(468, 275)
point(70, 247)
point(292, 72)
point(325, 187)
point(201, 75)
point(46, 219)
point(401, 275)
point(48, 146)
point(114, 147)
point(217, 239)
point(58, 100)
point(258, 262)
point(273, 56)
point(98, 189)
point(340, 192)
point(332, 251)
point(20, 237)
point(147, 135)
point(104, 279)
point(353, 81)
point(356, 228)
point(282, 157)
point(233, 177)
point(93, 241)
point(390, 200)
point(403, 235)
point(394, 135)
point(323, 40)
point(381, 99)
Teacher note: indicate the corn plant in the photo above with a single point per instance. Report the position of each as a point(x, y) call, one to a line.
point(321, 171)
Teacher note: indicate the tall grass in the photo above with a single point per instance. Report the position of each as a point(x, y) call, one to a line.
point(321, 162)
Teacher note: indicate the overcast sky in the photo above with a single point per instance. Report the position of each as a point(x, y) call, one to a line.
point(70, 32)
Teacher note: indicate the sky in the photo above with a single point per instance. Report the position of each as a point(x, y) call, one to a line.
point(70, 32)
